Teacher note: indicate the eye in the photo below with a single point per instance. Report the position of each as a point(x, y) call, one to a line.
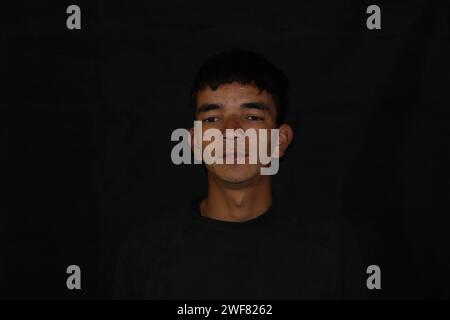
point(210, 119)
point(254, 118)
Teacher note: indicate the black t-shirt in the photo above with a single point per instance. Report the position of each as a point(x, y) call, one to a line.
point(187, 256)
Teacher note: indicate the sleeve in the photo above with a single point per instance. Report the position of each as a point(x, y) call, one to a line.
point(123, 287)
point(140, 263)
point(352, 266)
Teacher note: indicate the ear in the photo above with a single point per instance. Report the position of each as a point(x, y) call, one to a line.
point(191, 140)
point(286, 135)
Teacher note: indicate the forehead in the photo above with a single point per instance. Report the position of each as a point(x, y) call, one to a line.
point(234, 93)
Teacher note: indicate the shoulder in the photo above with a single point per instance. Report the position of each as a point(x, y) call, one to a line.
point(145, 250)
point(155, 233)
point(331, 232)
point(333, 238)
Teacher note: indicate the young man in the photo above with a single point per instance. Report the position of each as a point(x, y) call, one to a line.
point(236, 243)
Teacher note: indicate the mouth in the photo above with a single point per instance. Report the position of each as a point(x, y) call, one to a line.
point(235, 156)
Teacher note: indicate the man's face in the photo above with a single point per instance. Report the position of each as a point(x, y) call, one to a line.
point(235, 106)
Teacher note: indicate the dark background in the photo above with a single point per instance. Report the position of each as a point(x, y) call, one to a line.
point(86, 118)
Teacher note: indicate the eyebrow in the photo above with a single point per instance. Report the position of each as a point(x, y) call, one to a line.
point(255, 105)
point(247, 105)
point(208, 107)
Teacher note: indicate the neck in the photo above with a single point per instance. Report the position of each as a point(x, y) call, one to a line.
point(235, 202)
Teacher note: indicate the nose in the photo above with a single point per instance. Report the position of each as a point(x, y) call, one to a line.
point(231, 123)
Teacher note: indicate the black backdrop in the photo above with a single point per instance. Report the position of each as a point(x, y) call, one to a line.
point(87, 115)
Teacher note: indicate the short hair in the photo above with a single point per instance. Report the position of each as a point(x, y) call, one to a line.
point(247, 68)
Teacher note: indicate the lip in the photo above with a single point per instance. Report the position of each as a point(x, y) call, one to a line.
point(235, 157)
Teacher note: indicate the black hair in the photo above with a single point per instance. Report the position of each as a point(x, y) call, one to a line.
point(244, 67)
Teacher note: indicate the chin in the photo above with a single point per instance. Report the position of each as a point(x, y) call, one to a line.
point(236, 173)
